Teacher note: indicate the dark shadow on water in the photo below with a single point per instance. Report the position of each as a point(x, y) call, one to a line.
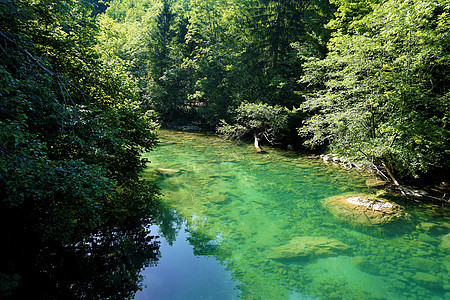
point(105, 266)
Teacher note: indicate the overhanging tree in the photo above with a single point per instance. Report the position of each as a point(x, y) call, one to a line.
point(261, 121)
point(384, 97)
point(71, 135)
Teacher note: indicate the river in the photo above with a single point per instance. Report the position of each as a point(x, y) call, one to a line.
point(228, 208)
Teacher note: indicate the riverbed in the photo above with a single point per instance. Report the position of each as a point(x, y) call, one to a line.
point(227, 208)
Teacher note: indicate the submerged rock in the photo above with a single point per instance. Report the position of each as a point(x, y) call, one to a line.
point(423, 237)
point(361, 210)
point(427, 280)
point(167, 172)
point(423, 264)
point(300, 248)
point(375, 182)
point(366, 265)
point(433, 228)
point(445, 243)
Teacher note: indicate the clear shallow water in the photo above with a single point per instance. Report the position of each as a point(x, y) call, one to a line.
point(230, 206)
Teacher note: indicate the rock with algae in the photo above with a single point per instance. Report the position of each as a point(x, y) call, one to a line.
point(375, 182)
point(427, 280)
point(167, 172)
point(445, 243)
point(360, 210)
point(366, 265)
point(307, 247)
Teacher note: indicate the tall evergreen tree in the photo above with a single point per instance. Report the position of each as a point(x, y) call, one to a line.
point(277, 30)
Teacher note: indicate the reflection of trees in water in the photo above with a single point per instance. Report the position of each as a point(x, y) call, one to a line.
point(107, 266)
point(169, 223)
point(203, 245)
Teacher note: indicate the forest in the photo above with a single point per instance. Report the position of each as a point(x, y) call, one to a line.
point(85, 85)
point(367, 80)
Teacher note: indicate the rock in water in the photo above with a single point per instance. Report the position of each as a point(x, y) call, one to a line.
point(301, 248)
point(375, 182)
point(423, 264)
point(167, 172)
point(360, 210)
point(366, 265)
point(427, 280)
point(445, 243)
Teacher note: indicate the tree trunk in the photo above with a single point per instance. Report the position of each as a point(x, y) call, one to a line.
point(258, 148)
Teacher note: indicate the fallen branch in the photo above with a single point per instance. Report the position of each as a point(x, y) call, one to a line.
point(374, 166)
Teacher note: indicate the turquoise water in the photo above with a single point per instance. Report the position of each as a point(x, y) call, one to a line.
point(230, 207)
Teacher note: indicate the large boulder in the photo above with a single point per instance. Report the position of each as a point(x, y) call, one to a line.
point(307, 247)
point(360, 210)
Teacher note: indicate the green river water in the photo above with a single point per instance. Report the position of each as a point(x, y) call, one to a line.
point(228, 207)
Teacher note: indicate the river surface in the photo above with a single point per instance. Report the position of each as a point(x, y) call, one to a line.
point(228, 208)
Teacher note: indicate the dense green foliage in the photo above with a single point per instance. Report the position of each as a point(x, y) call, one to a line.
point(384, 88)
point(71, 137)
point(262, 121)
point(81, 80)
point(367, 78)
point(202, 59)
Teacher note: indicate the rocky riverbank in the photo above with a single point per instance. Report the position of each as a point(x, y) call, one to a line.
point(434, 191)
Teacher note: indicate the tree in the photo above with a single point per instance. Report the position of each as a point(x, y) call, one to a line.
point(384, 95)
point(211, 34)
point(261, 121)
point(276, 30)
point(166, 80)
point(71, 134)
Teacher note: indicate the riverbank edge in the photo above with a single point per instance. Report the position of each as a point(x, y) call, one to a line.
point(437, 192)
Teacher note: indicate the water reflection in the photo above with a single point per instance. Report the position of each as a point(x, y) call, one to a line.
point(107, 266)
point(188, 267)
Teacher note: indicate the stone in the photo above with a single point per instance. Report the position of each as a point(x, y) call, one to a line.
point(365, 265)
point(426, 226)
point(445, 242)
point(302, 248)
point(167, 172)
point(219, 199)
point(375, 182)
point(423, 237)
point(423, 264)
point(398, 285)
point(360, 210)
point(427, 280)
point(433, 228)
point(422, 253)
point(326, 158)
point(407, 274)
point(446, 264)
